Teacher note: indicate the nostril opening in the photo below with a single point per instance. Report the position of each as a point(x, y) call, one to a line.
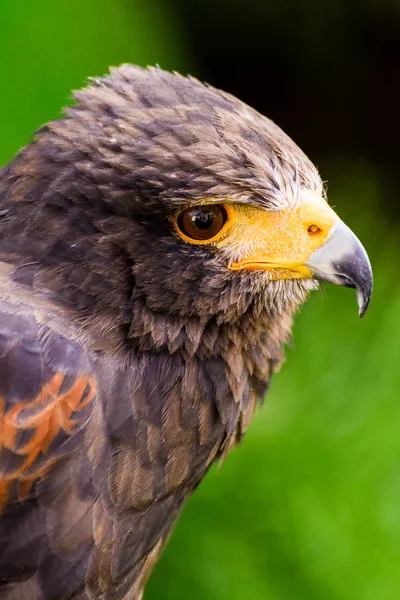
point(314, 229)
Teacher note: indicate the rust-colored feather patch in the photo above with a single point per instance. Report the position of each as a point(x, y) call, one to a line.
point(27, 430)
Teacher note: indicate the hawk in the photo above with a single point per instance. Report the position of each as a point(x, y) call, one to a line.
point(154, 246)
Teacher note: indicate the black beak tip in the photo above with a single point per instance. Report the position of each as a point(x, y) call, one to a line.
point(363, 287)
point(364, 294)
point(363, 281)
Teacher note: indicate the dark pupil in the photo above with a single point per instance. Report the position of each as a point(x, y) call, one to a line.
point(203, 219)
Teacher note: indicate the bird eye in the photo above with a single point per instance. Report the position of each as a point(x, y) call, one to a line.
point(202, 223)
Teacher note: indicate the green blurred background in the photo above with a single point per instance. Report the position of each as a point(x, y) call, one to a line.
point(309, 506)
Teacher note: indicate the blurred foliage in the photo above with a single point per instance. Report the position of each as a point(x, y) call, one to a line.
point(308, 507)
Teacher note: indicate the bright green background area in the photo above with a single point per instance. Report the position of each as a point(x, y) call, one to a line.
point(308, 507)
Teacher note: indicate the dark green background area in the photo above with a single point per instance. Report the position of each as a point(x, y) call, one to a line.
point(309, 506)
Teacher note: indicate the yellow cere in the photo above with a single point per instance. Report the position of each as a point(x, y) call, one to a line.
point(278, 242)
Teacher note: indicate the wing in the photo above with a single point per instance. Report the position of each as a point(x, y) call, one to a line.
point(96, 461)
point(47, 394)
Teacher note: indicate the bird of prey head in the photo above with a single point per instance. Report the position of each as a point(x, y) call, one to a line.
point(163, 233)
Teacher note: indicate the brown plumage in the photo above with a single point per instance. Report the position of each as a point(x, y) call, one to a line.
point(135, 345)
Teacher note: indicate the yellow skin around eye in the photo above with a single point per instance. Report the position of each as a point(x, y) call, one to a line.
point(277, 242)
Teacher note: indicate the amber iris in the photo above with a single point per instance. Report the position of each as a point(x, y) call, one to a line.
point(202, 222)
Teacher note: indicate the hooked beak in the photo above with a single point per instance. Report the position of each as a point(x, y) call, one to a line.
point(343, 260)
